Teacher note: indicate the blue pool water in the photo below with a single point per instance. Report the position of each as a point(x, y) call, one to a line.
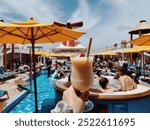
point(45, 90)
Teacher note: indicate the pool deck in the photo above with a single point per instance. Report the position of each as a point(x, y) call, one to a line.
point(11, 87)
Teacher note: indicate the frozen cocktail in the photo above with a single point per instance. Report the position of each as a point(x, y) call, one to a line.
point(82, 72)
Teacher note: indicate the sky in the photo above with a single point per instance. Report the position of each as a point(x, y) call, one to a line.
point(106, 21)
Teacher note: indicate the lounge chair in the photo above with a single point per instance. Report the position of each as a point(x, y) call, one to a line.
point(2, 77)
point(3, 93)
point(6, 74)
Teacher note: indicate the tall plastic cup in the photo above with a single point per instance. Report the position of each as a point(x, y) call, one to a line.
point(82, 72)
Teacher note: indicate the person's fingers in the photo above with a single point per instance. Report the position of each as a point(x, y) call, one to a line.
point(78, 93)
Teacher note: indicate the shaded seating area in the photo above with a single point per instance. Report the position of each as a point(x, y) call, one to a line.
point(3, 93)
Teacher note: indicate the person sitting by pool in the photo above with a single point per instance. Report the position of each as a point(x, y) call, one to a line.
point(99, 74)
point(107, 71)
point(126, 82)
point(53, 68)
point(60, 74)
point(104, 87)
point(103, 82)
point(48, 66)
point(65, 69)
point(57, 74)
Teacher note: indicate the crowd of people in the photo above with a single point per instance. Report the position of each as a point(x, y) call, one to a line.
point(126, 75)
point(101, 68)
point(56, 70)
point(120, 69)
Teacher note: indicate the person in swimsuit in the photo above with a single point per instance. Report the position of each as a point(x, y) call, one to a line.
point(126, 82)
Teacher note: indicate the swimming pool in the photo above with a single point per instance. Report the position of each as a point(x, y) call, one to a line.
point(45, 90)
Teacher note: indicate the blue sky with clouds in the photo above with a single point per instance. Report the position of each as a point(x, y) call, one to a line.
point(107, 21)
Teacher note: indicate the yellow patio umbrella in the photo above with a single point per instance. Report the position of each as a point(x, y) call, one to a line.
point(41, 53)
point(32, 32)
point(54, 54)
point(141, 41)
point(70, 54)
point(137, 49)
point(48, 54)
point(66, 54)
point(107, 53)
point(61, 54)
point(57, 54)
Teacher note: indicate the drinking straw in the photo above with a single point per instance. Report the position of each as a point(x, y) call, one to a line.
point(89, 47)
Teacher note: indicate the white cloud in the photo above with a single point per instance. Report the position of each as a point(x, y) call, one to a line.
point(86, 14)
point(125, 14)
point(46, 12)
point(107, 21)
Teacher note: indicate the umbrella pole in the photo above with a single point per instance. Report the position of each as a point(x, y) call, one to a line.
point(34, 77)
point(5, 57)
point(12, 58)
point(144, 64)
point(30, 75)
point(34, 70)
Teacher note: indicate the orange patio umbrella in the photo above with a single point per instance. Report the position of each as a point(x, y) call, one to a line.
point(141, 41)
point(32, 32)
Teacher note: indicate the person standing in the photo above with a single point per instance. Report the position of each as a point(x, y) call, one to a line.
point(120, 63)
point(48, 66)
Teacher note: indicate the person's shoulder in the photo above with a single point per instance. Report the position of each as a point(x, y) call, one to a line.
point(108, 91)
point(128, 77)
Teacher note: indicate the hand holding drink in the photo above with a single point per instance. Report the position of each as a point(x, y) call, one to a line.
point(81, 80)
